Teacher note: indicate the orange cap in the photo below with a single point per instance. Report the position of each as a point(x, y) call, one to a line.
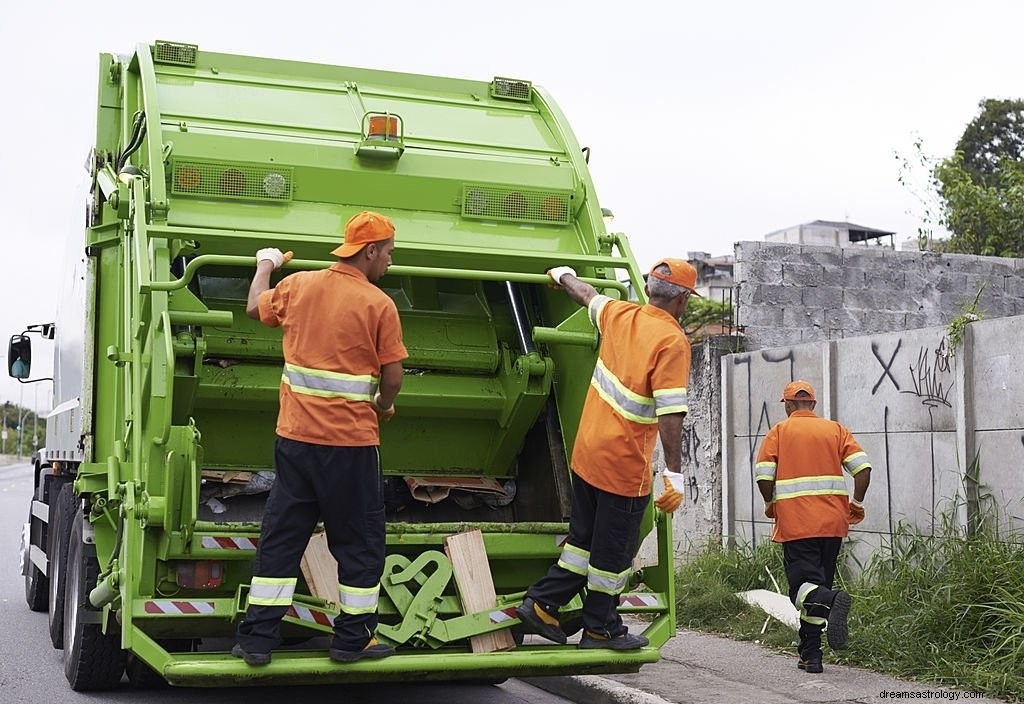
point(794, 387)
point(681, 273)
point(362, 229)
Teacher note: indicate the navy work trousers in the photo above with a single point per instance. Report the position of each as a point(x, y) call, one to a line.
point(608, 526)
point(343, 487)
point(812, 561)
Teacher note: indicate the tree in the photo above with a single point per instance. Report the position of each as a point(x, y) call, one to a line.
point(702, 313)
point(995, 135)
point(977, 194)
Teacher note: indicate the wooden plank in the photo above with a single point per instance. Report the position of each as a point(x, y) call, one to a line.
point(320, 569)
point(476, 586)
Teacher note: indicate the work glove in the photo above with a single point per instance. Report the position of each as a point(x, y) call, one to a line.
point(769, 510)
point(672, 498)
point(558, 272)
point(856, 512)
point(385, 414)
point(273, 255)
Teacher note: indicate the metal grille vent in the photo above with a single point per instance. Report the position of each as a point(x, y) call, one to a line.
point(511, 89)
point(236, 181)
point(516, 204)
point(175, 53)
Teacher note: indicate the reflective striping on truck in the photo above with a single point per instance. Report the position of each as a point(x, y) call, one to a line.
point(312, 615)
point(229, 542)
point(503, 615)
point(638, 600)
point(180, 608)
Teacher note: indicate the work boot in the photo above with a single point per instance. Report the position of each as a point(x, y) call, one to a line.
point(838, 630)
point(254, 659)
point(373, 650)
point(623, 641)
point(537, 619)
point(812, 665)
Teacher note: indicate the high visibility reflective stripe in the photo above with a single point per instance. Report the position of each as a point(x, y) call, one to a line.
point(597, 304)
point(809, 486)
point(670, 401)
point(813, 620)
point(765, 470)
point(574, 559)
point(272, 591)
point(317, 382)
point(628, 404)
point(358, 600)
point(607, 582)
point(856, 462)
point(801, 593)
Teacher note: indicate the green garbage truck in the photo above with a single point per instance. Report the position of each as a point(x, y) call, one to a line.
point(149, 493)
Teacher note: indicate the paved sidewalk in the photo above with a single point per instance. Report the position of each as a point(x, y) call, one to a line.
point(697, 667)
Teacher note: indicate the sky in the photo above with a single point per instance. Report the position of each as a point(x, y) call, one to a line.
point(709, 123)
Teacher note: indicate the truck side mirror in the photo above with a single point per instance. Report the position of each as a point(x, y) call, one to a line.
point(19, 357)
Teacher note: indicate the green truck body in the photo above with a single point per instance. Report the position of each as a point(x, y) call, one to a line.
point(162, 383)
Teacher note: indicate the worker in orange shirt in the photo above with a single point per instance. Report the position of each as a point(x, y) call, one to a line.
point(799, 473)
point(637, 392)
point(343, 353)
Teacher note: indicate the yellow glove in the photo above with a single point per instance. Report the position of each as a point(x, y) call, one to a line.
point(769, 510)
point(856, 512)
point(670, 499)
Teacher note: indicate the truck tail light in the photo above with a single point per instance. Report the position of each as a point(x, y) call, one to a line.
point(382, 127)
point(200, 574)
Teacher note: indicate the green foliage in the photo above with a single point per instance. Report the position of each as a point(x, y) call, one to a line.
point(968, 314)
point(702, 313)
point(977, 194)
point(994, 136)
point(947, 608)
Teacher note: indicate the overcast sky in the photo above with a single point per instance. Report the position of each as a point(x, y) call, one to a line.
point(770, 113)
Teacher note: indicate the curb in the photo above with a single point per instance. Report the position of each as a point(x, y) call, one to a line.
point(591, 689)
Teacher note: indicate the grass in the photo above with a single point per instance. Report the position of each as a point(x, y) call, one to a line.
point(946, 609)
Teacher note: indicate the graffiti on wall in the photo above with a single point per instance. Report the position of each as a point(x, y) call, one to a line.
point(922, 371)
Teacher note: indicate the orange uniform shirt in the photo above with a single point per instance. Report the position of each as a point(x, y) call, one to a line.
point(339, 329)
point(805, 456)
point(642, 372)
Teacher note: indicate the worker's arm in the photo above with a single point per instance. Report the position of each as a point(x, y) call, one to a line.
point(861, 480)
point(670, 429)
point(767, 489)
point(268, 260)
point(390, 384)
point(260, 283)
point(565, 276)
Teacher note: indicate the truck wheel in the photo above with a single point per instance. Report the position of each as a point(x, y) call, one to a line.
point(93, 660)
point(37, 585)
point(60, 531)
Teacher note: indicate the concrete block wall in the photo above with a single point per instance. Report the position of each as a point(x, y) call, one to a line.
point(923, 412)
point(788, 293)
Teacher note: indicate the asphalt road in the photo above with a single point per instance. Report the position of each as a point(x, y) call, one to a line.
point(31, 671)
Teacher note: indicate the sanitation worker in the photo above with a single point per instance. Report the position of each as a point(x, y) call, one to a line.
point(637, 392)
point(799, 473)
point(343, 354)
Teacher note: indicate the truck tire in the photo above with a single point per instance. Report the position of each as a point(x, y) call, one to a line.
point(37, 584)
point(93, 660)
point(60, 531)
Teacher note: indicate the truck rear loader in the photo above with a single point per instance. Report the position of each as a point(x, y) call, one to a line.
point(159, 453)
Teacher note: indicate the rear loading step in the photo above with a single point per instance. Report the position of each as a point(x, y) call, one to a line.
point(315, 667)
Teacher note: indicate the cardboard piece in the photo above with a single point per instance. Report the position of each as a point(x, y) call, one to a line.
point(433, 489)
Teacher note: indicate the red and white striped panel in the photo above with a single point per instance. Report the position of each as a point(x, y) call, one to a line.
point(638, 600)
point(229, 542)
point(180, 608)
point(312, 615)
point(561, 540)
point(503, 615)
